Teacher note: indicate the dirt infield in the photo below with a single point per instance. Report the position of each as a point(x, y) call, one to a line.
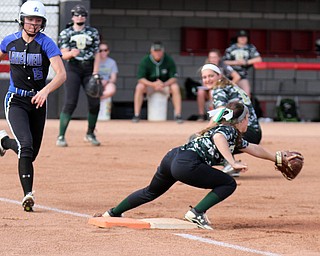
point(267, 215)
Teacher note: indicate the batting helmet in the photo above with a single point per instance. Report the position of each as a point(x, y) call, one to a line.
point(33, 8)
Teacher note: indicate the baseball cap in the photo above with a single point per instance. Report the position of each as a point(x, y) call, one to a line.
point(157, 46)
point(79, 10)
point(242, 33)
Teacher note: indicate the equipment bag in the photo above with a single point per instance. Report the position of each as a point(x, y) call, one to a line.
point(287, 110)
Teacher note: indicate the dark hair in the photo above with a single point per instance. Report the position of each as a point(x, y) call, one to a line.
point(238, 109)
point(103, 42)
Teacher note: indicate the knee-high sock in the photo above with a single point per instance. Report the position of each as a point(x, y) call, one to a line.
point(208, 201)
point(25, 167)
point(64, 122)
point(92, 120)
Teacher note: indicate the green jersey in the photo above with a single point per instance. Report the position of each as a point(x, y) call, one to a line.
point(153, 70)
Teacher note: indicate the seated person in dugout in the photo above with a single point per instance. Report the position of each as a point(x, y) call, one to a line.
point(108, 70)
point(157, 72)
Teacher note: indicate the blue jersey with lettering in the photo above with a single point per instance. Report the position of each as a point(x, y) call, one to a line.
point(29, 62)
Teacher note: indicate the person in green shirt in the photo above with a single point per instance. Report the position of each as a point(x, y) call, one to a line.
point(157, 72)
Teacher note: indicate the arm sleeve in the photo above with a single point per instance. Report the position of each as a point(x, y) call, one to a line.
point(51, 48)
point(114, 68)
point(254, 52)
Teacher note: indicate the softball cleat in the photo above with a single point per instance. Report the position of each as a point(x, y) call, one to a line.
point(28, 202)
point(200, 219)
point(61, 141)
point(3, 134)
point(92, 139)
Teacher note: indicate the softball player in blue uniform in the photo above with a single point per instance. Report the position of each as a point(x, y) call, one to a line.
point(79, 45)
point(30, 54)
point(193, 164)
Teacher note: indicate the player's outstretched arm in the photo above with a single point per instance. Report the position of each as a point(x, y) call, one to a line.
point(259, 152)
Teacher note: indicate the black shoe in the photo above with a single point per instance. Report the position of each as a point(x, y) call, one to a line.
point(3, 134)
point(178, 119)
point(135, 119)
point(201, 118)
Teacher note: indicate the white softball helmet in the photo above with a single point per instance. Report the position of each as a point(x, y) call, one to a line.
point(33, 8)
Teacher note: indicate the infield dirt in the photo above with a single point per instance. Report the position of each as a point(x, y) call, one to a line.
point(266, 213)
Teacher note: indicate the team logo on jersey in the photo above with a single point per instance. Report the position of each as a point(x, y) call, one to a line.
point(164, 71)
point(240, 54)
point(81, 41)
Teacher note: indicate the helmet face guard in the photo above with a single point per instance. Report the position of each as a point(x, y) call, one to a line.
point(33, 9)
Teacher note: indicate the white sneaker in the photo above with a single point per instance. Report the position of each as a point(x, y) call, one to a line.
point(28, 202)
point(92, 139)
point(61, 141)
point(3, 134)
point(232, 172)
point(201, 219)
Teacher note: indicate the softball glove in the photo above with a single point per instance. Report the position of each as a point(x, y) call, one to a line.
point(289, 163)
point(94, 86)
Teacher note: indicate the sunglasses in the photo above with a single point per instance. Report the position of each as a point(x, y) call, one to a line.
point(103, 50)
point(78, 15)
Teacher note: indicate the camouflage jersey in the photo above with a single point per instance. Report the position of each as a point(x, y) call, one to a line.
point(207, 150)
point(221, 96)
point(234, 52)
point(87, 41)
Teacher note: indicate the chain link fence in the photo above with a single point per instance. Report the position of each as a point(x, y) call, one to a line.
point(9, 15)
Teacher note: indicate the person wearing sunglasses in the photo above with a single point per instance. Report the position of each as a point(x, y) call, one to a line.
point(108, 71)
point(195, 164)
point(79, 45)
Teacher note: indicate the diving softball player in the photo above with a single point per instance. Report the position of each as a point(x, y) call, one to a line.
point(193, 164)
point(79, 45)
point(225, 91)
point(30, 54)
